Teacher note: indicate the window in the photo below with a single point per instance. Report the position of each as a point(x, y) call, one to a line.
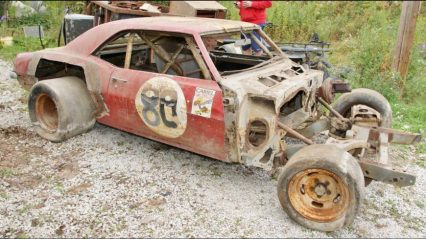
point(155, 52)
point(236, 51)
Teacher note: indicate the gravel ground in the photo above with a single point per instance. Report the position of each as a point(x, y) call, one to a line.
point(111, 183)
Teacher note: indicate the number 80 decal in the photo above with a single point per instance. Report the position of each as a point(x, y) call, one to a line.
point(161, 104)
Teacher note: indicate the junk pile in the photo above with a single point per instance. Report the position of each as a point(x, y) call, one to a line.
point(14, 10)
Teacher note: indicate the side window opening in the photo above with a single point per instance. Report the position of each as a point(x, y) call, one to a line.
point(155, 52)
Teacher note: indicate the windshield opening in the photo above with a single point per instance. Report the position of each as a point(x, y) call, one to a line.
point(234, 52)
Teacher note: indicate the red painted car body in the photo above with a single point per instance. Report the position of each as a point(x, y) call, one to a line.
point(203, 135)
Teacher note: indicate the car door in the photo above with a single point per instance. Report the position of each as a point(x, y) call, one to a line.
point(174, 103)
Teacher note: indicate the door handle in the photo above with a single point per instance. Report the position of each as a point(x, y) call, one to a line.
point(118, 80)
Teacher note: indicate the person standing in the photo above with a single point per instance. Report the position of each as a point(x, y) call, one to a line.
point(253, 12)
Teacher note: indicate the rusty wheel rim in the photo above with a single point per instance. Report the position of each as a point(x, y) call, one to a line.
point(46, 112)
point(318, 195)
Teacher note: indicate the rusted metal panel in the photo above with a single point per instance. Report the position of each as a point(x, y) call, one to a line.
point(395, 136)
point(26, 81)
point(378, 139)
point(158, 122)
point(340, 86)
point(295, 133)
point(385, 173)
point(315, 128)
point(116, 9)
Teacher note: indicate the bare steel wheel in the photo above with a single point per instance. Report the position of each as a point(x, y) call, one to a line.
point(46, 112)
point(318, 195)
point(321, 187)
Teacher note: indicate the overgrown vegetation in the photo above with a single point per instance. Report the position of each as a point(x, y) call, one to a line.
point(362, 34)
point(50, 21)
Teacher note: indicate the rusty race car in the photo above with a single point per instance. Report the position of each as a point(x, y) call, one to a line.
point(182, 82)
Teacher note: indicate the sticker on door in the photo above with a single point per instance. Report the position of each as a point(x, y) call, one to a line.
point(202, 102)
point(160, 103)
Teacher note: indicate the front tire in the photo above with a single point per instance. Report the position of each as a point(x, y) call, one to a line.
point(61, 108)
point(321, 187)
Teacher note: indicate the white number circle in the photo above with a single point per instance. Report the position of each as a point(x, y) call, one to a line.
point(161, 104)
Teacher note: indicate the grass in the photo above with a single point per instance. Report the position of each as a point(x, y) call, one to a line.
point(6, 173)
point(20, 44)
point(50, 21)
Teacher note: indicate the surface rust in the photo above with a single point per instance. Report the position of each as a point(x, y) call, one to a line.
point(319, 195)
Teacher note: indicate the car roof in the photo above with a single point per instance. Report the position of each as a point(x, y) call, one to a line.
point(187, 25)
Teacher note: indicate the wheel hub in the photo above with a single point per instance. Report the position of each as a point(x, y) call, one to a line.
point(320, 189)
point(46, 112)
point(318, 195)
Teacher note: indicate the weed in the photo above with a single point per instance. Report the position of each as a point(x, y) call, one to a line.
point(419, 204)
point(4, 195)
point(216, 172)
point(23, 210)
point(6, 172)
point(59, 187)
point(22, 234)
point(393, 210)
point(120, 143)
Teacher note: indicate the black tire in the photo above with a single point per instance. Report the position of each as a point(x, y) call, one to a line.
point(336, 176)
point(368, 98)
point(61, 108)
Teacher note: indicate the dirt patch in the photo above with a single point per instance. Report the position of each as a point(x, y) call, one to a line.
point(79, 188)
point(19, 147)
point(15, 155)
point(24, 181)
point(15, 148)
point(16, 131)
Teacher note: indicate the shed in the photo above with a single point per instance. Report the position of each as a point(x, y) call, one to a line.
point(210, 9)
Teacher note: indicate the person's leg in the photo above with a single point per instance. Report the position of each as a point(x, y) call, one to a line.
point(246, 48)
point(257, 51)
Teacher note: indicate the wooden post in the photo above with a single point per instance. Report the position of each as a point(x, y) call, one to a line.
point(407, 27)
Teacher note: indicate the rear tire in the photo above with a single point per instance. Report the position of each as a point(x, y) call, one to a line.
point(321, 187)
point(61, 108)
